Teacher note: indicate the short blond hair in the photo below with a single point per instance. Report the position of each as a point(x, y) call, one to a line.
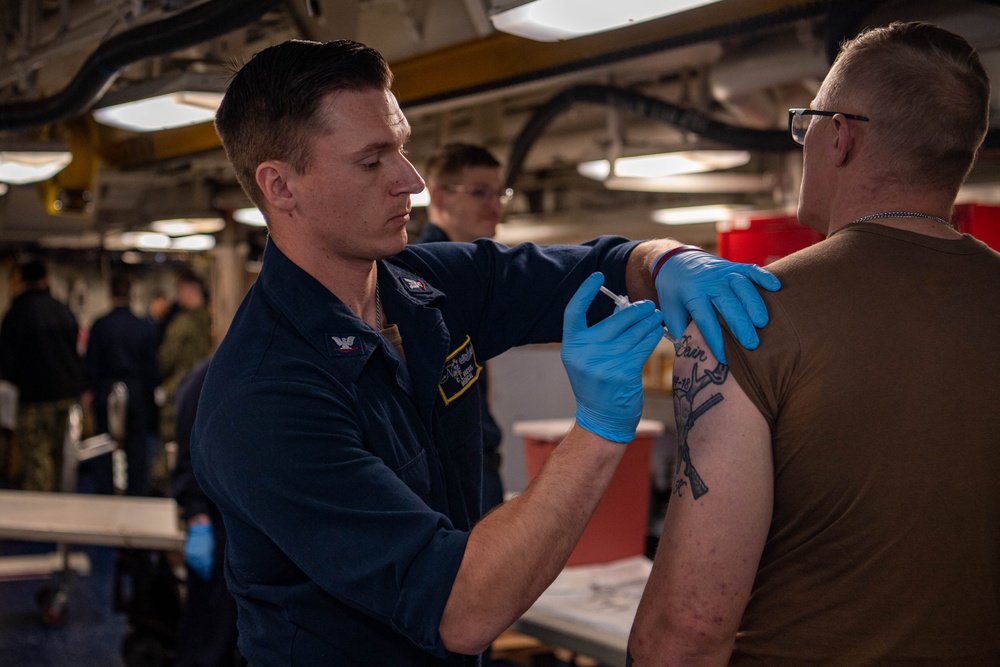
point(927, 95)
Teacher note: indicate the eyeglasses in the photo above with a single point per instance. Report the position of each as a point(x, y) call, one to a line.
point(799, 119)
point(483, 193)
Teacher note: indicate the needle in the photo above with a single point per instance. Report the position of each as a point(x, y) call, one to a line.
point(623, 302)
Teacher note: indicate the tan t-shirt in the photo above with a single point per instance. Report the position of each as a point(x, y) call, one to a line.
point(879, 375)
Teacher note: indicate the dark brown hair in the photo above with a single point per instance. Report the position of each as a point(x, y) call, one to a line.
point(269, 109)
point(451, 159)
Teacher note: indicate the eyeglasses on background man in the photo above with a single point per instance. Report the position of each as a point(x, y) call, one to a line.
point(483, 193)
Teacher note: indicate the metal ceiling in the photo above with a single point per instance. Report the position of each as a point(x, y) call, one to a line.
point(736, 65)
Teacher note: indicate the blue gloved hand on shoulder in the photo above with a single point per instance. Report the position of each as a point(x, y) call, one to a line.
point(199, 549)
point(691, 280)
point(604, 362)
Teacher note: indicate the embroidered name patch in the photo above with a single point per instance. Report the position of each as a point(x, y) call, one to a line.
point(460, 372)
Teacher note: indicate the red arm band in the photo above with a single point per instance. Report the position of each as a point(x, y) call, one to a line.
point(670, 253)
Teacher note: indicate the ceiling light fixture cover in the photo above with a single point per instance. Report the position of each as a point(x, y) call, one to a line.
point(187, 226)
point(664, 164)
point(690, 215)
point(31, 161)
point(179, 101)
point(154, 241)
point(693, 183)
point(140, 240)
point(553, 20)
point(421, 199)
point(195, 242)
point(250, 216)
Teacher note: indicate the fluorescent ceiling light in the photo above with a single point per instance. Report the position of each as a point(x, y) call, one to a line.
point(187, 99)
point(186, 226)
point(689, 215)
point(250, 216)
point(194, 242)
point(664, 164)
point(552, 20)
point(31, 162)
point(158, 242)
point(143, 241)
point(162, 112)
point(696, 183)
point(421, 199)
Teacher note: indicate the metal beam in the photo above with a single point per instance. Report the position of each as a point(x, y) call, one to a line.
point(497, 61)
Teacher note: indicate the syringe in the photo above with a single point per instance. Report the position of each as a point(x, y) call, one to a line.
point(623, 302)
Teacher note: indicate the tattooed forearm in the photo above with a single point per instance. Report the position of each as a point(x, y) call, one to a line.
point(686, 392)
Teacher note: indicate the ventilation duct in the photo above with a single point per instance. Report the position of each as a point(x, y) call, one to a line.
point(179, 31)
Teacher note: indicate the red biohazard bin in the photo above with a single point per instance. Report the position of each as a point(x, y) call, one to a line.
point(618, 527)
point(979, 220)
point(762, 238)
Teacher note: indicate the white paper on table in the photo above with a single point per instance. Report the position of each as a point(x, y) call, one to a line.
point(604, 595)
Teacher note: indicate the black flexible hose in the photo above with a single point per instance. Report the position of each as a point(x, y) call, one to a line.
point(645, 106)
point(99, 71)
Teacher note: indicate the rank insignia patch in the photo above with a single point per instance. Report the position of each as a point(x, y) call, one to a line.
point(345, 346)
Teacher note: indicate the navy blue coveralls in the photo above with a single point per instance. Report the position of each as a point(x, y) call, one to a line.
point(122, 348)
point(349, 479)
point(492, 434)
point(206, 636)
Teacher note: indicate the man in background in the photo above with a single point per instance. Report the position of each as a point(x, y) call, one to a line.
point(186, 341)
point(122, 348)
point(38, 355)
point(467, 201)
point(467, 194)
point(837, 497)
point(207, 633)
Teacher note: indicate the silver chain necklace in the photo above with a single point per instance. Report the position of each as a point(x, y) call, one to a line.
point(899, 214)
point(378, 309)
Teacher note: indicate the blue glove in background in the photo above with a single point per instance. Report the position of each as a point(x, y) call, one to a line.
point(695, 281)
point(604, 362)
point(199, 549)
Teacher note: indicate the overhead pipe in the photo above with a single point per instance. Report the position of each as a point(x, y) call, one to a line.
point(689, 120)
point(99, 71)
point(653, 108)
point(840, 24)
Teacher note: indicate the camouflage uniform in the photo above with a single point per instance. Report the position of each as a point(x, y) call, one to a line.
point(38, 356)
point(187, 341)
point(40, 436)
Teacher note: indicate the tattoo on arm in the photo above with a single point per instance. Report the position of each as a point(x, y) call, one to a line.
point(686, 392)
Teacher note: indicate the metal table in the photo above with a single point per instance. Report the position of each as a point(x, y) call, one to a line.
point(77, 518)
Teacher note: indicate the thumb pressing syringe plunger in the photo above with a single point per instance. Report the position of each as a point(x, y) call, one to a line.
point(623, 302)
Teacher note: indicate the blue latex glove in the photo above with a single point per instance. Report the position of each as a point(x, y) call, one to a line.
point(199, 549)
point(694, 281)
point(604, 362)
